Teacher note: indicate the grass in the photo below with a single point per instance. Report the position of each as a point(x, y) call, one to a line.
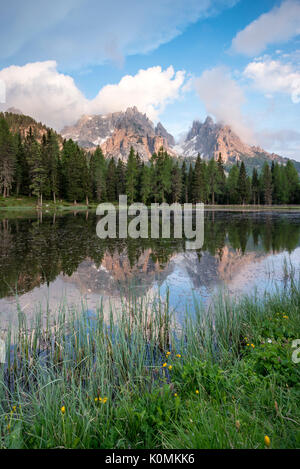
point(223, 379)
point(23, 203)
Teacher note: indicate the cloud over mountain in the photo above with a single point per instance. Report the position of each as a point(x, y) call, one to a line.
point(39, 90)
point(224, 98)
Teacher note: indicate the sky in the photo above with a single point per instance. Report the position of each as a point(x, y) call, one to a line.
point(176, 60)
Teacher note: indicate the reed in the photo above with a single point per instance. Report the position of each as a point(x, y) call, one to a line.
point(140, 379)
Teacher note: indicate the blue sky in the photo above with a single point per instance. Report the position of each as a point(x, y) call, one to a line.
point(237, 60)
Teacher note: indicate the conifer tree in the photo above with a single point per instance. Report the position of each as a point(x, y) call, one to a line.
point(121, 178)
point(267, 184)
point(242, 184)
point(73, 166)
point(212, 173)
point(38, 172)
point(146, 184)
point(232, 185)
point(255, 187)
point(52, 163)
point(176, 183)
point(221, 180)
point(21, 183)
point(190, 183)
point(98, 175)
point(131, 177)
point(7, 158)
point(293, 184)
point(184, 184)
point(111, 181)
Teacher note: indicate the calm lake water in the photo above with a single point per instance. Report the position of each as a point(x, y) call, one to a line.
point(60, 258)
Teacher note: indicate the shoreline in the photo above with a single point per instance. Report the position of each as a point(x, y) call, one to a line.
point(29, 205)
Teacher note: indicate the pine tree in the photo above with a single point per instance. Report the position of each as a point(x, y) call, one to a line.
point(38, 172)
point(98, 175)
point(111, 181)
point(146, 185)
point(212, 173)
point(221, 180)
point(184, 184)
point(131, 177)
point(7, 158)
point(255, 186)
point(267, 184)
point(176, 183)
point(197, 188)
point(190, 183)
point(292, 182)
point(53, 163)
point(121, 178)
point(242, 184)
point(73, 165)
point(162, 165)
point(22, 169)
point(232, 185)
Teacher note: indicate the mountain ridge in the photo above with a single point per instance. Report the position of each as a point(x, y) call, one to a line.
point(115, 133)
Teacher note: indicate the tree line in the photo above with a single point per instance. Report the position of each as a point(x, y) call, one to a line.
point(46, 169)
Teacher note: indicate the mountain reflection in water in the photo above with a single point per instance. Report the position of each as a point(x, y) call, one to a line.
point(44, 261)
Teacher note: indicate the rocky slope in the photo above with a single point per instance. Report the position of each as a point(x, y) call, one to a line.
point(116, 133)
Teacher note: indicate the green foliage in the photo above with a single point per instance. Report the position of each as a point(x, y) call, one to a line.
point(106, 386)
point(35, 161)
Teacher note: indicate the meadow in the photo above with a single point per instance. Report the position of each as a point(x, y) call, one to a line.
point(224, 378)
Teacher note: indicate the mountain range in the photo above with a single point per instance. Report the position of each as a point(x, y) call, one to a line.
point(117, 132)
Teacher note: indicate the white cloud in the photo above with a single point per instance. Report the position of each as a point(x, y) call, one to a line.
point(39, 90)
point(224, 98)
point(285, 142)
point(278, 25)
point(149, 90)
point(272, 76)
point(82, 32)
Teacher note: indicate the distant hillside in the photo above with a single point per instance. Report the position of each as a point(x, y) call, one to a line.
point(19, 123)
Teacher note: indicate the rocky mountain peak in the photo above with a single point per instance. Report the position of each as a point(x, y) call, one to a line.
point(160, 131)
point(116, 133)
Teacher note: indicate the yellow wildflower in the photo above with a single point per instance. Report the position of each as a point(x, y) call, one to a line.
point(175, 395)
point(248, 345)
point(164, 365)
point(252, 345)
point(178, 355)
point(63, 410)
point(285, 317)
point(170, 367)
point(197, 392)
point(267, 441)
point(14, 408)
point(96, 399)
point(104, 400)
point(168, 353)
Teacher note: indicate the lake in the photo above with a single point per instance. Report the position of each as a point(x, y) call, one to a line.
point(59, 259)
